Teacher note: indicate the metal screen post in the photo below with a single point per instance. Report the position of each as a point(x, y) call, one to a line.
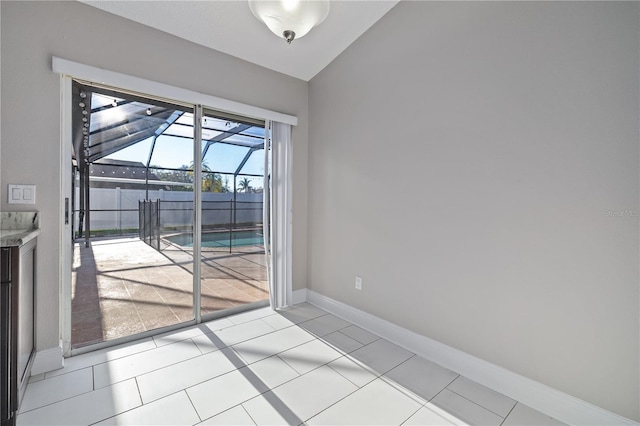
point(73, 204)
point(118, 212)
point(82, 203)
point(158, 224)
point(141, 219)
point(87, 222)
point(230, 224)
point(235, 199)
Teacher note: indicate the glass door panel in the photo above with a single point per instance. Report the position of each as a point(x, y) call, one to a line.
point(133, 215)
point(233, 266)
point(142, 184)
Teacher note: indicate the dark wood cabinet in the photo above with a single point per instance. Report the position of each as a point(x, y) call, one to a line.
point(16, 326)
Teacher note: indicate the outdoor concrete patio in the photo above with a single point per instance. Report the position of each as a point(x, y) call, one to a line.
point(123, 286)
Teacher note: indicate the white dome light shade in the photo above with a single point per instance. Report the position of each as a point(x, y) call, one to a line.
point(290, 19)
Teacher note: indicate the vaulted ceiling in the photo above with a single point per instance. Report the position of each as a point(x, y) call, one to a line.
point(230, 27)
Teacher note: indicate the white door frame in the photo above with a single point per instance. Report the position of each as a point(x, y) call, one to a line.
point(69, 70)
point(65, 254)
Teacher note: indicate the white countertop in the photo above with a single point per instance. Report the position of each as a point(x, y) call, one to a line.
point(17, 237)
point(18, 228)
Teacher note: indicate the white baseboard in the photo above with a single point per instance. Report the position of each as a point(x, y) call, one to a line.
point(47, 360)
point(552, 402)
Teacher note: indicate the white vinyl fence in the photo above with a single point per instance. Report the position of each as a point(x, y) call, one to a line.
point(117, 209)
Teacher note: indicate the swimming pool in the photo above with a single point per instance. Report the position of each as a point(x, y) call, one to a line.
point(220, 239)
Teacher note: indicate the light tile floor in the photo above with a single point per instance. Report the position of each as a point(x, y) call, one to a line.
point(298, 366)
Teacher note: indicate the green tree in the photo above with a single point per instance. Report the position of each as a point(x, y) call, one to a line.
point(183, 174)
point(245, 185)
point(211, 182)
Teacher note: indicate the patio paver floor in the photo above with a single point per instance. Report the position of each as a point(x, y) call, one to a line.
point(123, 286)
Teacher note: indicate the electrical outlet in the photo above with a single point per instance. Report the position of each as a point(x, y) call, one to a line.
point(358, 283)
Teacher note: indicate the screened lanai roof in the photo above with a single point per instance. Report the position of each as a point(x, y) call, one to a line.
point(110, 125)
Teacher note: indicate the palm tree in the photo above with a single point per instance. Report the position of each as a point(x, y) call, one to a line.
point(245, 184)
point(205, 167)
point(211, 182)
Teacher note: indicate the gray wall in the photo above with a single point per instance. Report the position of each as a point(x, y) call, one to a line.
point(507, 134)
point(32, 32)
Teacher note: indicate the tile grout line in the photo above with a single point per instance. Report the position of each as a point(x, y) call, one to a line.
point(104, 362)
point(362, 343)
point(226, 347)
point(414, 413)
point(63, 399)
point(439, 392)
point(195, 384)
point(345, 356)
point(159, 368)
point(509, 413)
point(125, 411)
point(192, 405)
point(246, 411)
point(473, 402)
point(478, 404)
point(190, 358)
point(357, 362)
point(246, 365)
point(68, 398)
point(358, 388)
point(268, 388)
point(300, 325)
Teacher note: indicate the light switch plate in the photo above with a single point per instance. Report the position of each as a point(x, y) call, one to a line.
point(22, 194)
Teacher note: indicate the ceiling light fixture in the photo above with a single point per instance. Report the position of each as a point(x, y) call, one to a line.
point(290, 19)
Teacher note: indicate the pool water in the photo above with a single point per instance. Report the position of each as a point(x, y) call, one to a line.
point(220, 239)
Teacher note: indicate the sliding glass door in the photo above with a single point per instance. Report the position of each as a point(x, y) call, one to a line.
point(168, 215)
point(132, 185)
point(233, 265)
